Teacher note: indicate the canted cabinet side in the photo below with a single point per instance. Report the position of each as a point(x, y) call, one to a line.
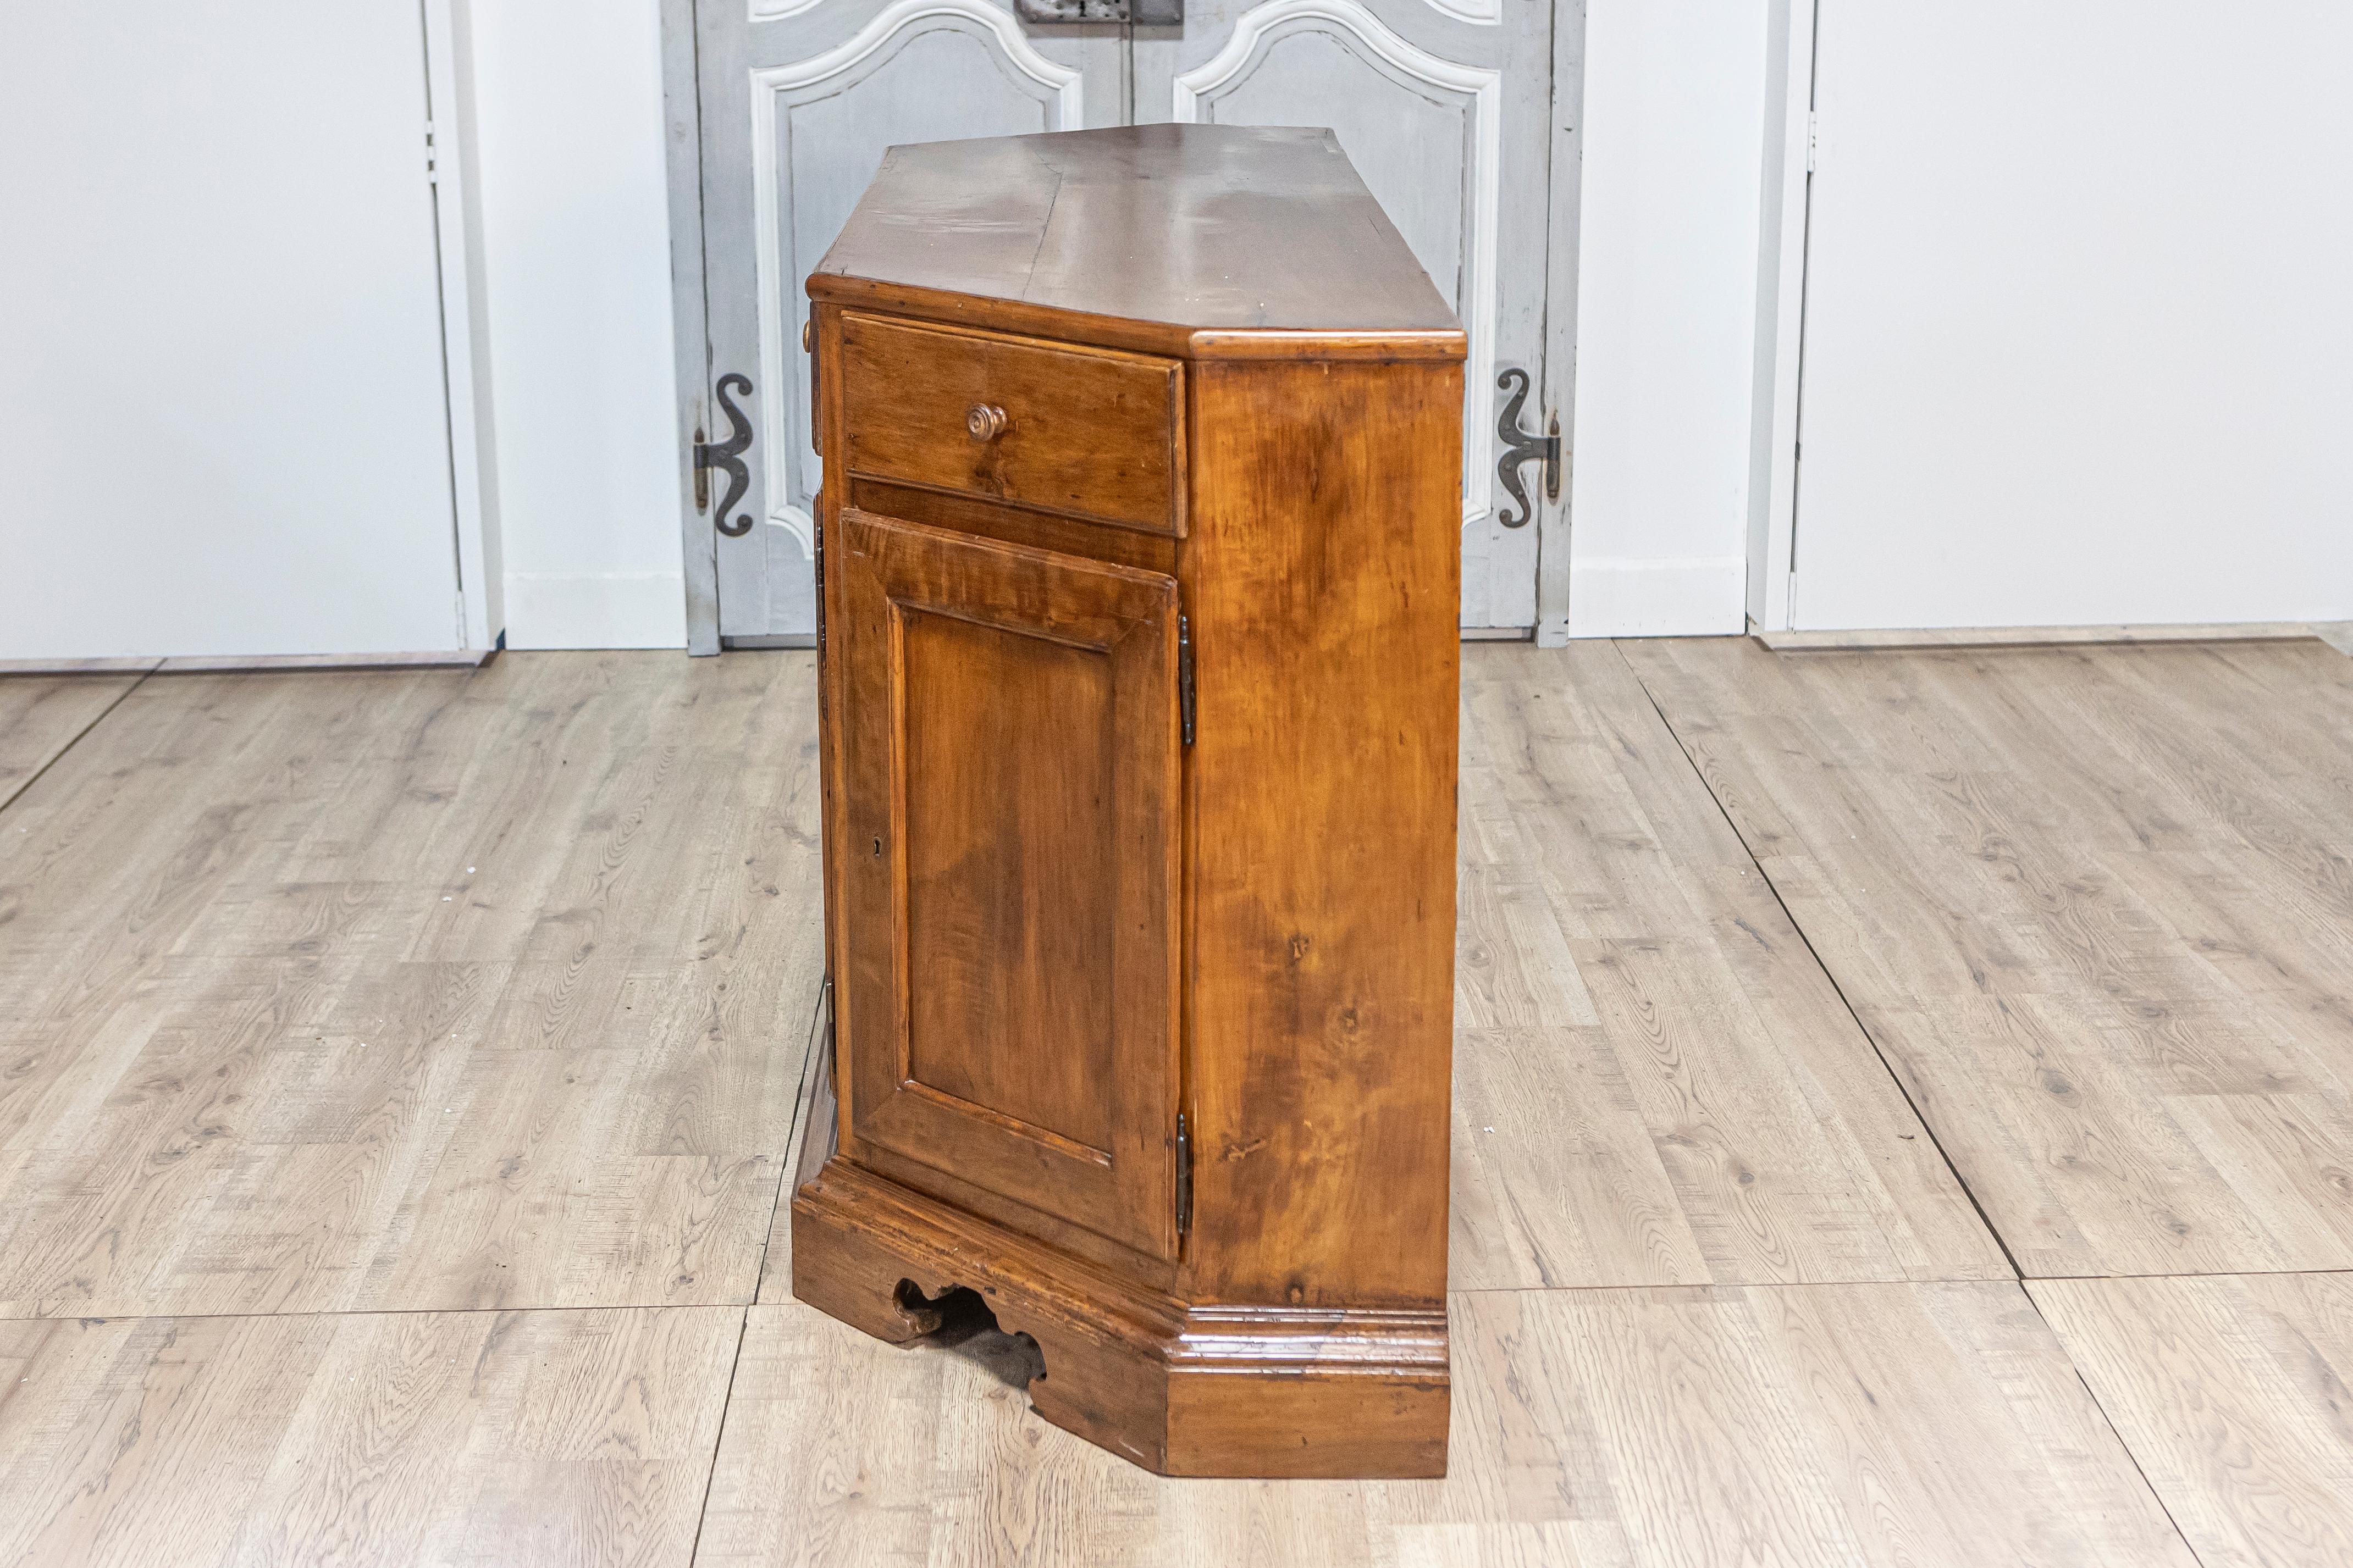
point(1322, 578)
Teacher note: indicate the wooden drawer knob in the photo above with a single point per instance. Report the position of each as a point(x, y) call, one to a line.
point(986, 421)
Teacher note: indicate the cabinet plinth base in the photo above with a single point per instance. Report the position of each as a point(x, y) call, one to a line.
point(1180, 1389)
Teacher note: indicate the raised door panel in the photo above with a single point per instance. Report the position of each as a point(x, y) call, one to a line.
point(1010, 845)
point(799, 101)
point(1444, 110)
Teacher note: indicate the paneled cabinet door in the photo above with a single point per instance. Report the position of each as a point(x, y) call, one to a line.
point(1009, 852)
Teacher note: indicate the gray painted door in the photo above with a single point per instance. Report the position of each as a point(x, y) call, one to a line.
point(799, 98)
point(1443, 106)
point(1447, 107)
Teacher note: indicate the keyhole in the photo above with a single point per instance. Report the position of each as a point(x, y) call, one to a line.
point(878, 846)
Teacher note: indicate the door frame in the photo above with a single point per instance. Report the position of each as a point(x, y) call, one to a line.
point(682, 148)
point(690, 334)
point(1783, 209)
point(465, 323)
point(1565, 228)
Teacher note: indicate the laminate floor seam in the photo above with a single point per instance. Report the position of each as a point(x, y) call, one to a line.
point(384, 1312)
point(1791, 916)
point(788, 1162)
point(2019, 1276)
point(719, 1437)
point(1925, 1279)
point(2193, 1274)
point(2113, 1430)
point(1455, 1291)
point(37, 773)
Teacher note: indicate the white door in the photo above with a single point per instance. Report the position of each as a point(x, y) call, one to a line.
point(2078, 342)
point(223, 422)
point(799, 98)
point(1444, 107)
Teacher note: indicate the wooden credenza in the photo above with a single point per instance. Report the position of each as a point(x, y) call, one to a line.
point(1139, 563)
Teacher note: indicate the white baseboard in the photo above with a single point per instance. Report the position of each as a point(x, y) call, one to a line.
point(1625, 598)
point(759, 644)
point(2036, 636)
point(596, 609)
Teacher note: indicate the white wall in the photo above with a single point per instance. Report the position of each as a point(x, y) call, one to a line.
point(1674, 115)
point(575, 250)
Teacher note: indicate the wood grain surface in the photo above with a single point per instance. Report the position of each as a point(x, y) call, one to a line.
point(40, 716)
point(1246, 229)
point(1655, 1083)
point(1007, 992)
point(1923, 1423)
point(401, 1439)
point(1321, 829)
point(409, 989)
point(2230, 1390)
point(2094, 904)
point(1089, 432)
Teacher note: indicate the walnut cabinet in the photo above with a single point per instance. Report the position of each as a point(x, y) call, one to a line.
point(1139, 561)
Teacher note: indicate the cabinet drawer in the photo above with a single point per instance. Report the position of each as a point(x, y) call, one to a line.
point(1088, 433)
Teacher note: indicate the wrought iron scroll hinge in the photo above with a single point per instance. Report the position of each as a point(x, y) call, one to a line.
point(727, 456)
point(1185, 677)
point(1520, 447)
point(1184, 1177)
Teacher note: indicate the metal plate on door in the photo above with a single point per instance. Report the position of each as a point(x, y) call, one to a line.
point(1143, 13)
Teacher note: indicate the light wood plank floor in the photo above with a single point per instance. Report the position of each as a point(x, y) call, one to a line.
point(349, 992)
point(1672, 1427)
point(2231, 1391)
point(553, 1439)
point(41, 716)
point(2095, 904)
point(397, 1071)
point(1656, 1083)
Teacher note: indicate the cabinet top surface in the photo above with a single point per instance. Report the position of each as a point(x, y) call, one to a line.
point(1210, 227)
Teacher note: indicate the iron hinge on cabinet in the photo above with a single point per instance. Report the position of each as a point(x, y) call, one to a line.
point(1184, 1177)
point(1184, 677)
point(829, 1044)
